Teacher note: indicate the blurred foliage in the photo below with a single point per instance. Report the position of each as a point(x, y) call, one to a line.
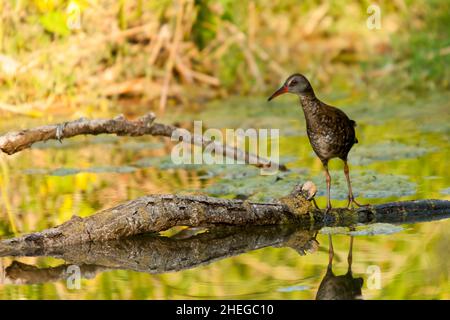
point(62, 55)
point(393, 80)
point(421, 54)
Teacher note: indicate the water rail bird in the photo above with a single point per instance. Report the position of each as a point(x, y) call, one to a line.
point(330, 131)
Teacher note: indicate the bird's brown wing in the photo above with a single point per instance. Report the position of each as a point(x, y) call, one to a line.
point(343, 119)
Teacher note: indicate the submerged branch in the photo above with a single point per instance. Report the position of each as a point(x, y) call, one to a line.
point(156, 213)
point(13, 142)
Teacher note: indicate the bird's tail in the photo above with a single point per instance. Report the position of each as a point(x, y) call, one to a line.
point(354, 125)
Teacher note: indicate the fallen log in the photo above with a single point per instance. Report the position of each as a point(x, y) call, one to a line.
point(156, 213)
point(13, 142)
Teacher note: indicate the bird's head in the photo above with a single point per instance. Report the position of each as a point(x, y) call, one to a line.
point(297, 84)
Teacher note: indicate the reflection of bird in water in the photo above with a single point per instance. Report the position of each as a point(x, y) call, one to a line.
point(343, 287)
point(330, 132)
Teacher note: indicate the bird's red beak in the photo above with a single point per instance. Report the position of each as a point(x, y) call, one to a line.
point(280, 91)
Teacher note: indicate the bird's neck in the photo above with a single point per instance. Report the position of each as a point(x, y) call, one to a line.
point(312, 108)
point(310, 103)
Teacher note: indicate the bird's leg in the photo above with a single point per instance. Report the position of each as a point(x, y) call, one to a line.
point(328, 177)
point(350, 255)
point(330, 252)
point(351, 198)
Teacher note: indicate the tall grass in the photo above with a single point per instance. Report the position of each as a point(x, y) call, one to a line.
point(164, 53)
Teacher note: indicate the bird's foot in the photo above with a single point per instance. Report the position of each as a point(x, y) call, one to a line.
point(352, 201)
point(328, 218)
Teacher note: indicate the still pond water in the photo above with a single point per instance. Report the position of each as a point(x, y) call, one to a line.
point(403, 154)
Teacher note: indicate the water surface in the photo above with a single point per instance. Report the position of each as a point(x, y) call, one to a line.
point(402, 155)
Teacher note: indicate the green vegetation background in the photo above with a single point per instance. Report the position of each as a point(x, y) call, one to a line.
point(123, 57)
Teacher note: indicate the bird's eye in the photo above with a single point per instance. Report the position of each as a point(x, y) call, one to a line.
point(293, 83)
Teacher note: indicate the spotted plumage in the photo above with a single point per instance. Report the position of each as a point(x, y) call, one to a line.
point(330, 132)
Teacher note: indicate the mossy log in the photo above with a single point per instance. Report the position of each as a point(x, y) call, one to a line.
point(156, 213)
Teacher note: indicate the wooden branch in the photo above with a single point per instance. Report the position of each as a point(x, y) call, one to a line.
point(14, 142)
point(152, 214)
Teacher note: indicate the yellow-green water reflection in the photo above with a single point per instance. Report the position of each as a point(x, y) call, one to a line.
point(399, 159)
